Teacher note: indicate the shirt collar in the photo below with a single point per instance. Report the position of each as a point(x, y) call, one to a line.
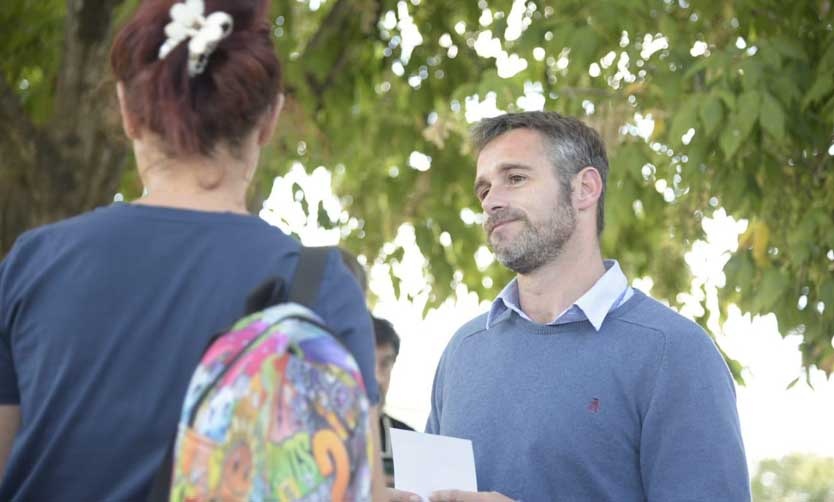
point(606, 294)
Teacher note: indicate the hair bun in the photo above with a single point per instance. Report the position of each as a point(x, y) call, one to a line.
point(187, 21)
point(230, 49)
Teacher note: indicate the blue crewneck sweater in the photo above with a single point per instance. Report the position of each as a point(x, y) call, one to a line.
point(643, 409)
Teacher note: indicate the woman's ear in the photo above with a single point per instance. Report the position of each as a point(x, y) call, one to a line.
point(129, 123)
point(270, 120)
point(587, 189)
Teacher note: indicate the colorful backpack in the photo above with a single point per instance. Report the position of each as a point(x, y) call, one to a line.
point(277, 409)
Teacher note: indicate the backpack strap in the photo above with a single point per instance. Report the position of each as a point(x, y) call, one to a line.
point(304, 289)
point(308, 275)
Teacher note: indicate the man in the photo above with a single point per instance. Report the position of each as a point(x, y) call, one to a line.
point(387, 350)
point(575, 386)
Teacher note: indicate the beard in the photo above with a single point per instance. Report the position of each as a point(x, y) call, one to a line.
point(534, 245)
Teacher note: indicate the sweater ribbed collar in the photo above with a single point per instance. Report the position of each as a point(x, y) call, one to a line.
point(608, 292)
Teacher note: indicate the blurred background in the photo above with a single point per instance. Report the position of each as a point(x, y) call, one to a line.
point(718, 117)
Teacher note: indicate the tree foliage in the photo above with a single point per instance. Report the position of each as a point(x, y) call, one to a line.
point(794, 478)
point(740, 95)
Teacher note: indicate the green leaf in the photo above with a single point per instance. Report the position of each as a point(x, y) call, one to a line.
point(685, 118)
point(823, 85)
point(827, 293)
point(789, 48)
point(396, 283)
point(397, 255)
point(771, 116)
point(827, 60)
point(772, 288)
point(699, 66)
point(770, 56)
point(730, 141)
point(739, 270)
point(323, 218)
point(785, 88)
point(735, 367)
point(584, 45)
point(720, 61)
point(728, 98)
point(741, 123)
point(753, 73)
point(748, 110)
point(711, 113)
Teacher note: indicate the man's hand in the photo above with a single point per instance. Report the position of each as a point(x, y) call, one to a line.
point(395, 495)
point(461, 496)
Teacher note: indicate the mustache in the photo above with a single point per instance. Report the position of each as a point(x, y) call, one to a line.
point(500, 217)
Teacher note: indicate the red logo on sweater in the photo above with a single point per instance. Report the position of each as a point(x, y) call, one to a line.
point(593, 406)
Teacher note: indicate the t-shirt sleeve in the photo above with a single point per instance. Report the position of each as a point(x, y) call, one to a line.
point(342, 305)
point(691, 446)
point(8, 376)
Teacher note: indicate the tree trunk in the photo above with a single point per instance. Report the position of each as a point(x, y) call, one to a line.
point(73, 162)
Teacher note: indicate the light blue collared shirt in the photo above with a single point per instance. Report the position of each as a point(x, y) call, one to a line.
point(609, 292)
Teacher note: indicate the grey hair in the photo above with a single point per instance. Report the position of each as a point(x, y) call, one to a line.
point(572, 145)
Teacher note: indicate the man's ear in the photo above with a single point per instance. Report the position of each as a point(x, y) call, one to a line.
point(587, 188)
point(270, 120)
point(129, 123)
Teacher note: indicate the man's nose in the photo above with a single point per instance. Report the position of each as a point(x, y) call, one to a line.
point(493, 201)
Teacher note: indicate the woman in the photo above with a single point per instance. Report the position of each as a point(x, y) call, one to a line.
point(103, 317)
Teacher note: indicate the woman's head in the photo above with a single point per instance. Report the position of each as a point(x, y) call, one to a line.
point(194, 112)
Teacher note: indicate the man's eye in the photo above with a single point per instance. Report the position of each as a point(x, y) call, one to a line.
point(516, 178)
point(483, 193)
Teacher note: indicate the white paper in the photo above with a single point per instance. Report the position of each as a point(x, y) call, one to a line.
point(424, 463)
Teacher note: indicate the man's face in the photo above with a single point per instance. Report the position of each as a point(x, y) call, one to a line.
point(529, 219)
point(385, 358)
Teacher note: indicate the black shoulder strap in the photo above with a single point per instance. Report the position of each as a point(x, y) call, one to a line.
point(305, 286)
point(308, 275)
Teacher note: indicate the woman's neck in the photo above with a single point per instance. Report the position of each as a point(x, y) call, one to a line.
point(213, 201)
point(206, 183)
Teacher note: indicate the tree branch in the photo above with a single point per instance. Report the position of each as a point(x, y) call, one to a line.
point(24, 148)
point(87, 30)
point(17, 143)
point(24, 144)
point(72, 162)
point(345, 18)
point(335, 19)
point(85, 90)
point(422, 189)
point(18, 135)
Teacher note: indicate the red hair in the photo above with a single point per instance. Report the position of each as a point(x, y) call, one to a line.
point(192, 114)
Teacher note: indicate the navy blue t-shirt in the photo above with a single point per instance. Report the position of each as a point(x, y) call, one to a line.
point(103, 319)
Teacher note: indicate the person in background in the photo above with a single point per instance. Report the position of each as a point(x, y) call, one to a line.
point(574, 385)
point(387, 350)
point(104, 316)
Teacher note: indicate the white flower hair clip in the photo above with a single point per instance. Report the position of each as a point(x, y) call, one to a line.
point(187, 21)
